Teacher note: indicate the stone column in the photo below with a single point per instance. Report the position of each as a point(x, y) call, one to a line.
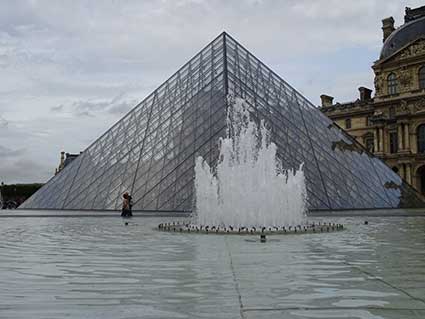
point(381, 139)
point(406, 136)
point(400, 137)
point(408, 174)
point(375, 141)
point(401, 171)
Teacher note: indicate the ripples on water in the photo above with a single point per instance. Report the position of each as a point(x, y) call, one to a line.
point(100, 268)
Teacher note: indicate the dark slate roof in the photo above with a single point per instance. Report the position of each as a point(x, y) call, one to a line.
point(405, 34)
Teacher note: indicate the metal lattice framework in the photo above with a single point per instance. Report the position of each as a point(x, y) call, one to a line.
point(151, 151)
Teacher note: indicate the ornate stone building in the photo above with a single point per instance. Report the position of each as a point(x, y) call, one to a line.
point(391, 124)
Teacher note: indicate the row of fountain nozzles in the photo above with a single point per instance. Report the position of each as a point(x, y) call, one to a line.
point(253, 229)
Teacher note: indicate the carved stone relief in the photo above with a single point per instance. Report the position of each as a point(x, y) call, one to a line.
point(412, 107)
point(405, 78)
point(379, 84)
point(404, 107)
point(418, 105)
point(414, 49)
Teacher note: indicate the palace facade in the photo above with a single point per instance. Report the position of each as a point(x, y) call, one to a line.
point(391, 123)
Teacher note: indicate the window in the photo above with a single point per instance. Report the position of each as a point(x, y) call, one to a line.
point(392, 84)
point(421, 174)
point(421, 138)
point(422, 77)
point(348, 123)
point(369, 142)
point(393, 142)
point(391, 112)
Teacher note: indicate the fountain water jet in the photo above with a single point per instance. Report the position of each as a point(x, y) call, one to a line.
point(248, 192)
point(248, 188)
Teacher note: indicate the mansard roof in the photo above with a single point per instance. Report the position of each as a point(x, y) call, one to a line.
point(402, 36)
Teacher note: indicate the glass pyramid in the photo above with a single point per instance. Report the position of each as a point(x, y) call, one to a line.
point(151, 151)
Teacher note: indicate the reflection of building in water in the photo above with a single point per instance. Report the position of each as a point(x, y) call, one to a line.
point(391, 124)
point(66, 159)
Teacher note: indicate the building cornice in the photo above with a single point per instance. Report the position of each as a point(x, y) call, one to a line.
point(351, 109)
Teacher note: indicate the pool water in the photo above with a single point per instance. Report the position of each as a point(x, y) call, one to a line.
point(91, 267)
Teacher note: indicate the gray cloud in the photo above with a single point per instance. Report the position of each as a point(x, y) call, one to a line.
point(89, 108)
point(3, 122)
point(58, 108)
point(122, 107)
point(17, 171)
point(7, 152)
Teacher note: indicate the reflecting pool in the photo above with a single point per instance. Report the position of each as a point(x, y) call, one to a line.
point(91, 267)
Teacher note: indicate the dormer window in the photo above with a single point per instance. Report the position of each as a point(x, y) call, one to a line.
point(422, 77)
point(392, 84)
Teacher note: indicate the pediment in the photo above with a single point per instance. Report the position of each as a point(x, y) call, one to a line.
point(413, 49)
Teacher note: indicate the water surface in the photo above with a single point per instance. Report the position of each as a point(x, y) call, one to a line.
point(91, 267)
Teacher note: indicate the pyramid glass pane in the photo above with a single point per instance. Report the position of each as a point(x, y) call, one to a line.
point(151, 151)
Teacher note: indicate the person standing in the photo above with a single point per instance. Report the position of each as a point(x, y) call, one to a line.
point(126, 211)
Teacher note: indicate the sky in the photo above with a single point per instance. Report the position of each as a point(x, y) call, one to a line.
point(70, 69)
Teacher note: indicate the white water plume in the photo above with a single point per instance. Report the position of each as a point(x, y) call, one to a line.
point(248, 187)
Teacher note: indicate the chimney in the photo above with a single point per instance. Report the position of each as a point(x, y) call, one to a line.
point(407, 15)
point(62, 160)
point(326, 100)
point(413, 14)
point(387, 27)
point(365, 94)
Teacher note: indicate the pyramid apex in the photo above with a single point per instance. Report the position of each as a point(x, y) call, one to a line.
point(225, 34)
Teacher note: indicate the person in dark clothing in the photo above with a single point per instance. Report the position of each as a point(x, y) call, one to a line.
point(130, 203)
point(126, 210)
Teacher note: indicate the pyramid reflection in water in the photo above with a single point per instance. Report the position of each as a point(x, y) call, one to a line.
point(151, 151)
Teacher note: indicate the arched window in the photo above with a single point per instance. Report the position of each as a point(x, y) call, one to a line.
point(421, 138)
point(422, 77)
point(392, 84)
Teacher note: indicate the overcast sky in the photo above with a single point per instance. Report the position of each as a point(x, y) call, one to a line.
point(70, 69)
